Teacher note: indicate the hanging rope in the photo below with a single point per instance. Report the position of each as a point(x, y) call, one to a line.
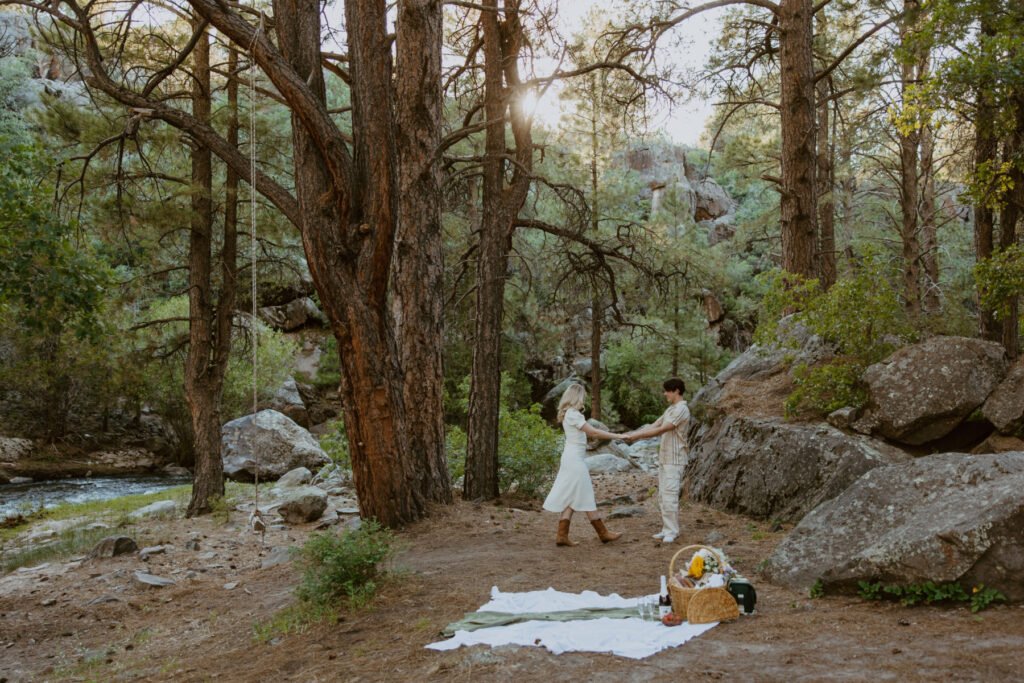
point(256, 520)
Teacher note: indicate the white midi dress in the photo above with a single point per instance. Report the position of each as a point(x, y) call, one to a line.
point(572, 487)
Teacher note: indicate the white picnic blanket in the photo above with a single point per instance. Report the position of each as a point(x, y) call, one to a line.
point(630, 637)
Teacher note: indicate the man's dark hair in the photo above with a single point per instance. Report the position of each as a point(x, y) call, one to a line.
point(674, 384)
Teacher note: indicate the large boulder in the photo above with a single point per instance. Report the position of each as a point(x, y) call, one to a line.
point(768, 468)
point(112, 546)
point(300, 476)
point(549, 403)
point(642, 453)
point(719, 230)
point(288, 401)
point(922, 392)
point(940, 518)
point(605, 463)
point(292, 315)
point(14, 449)
point(280, 444)
point(301, 504)
point(1004, 408)
point(161, 509)
point(712, 200)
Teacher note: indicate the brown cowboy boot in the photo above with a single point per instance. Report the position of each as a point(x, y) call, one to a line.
point(602, 531)
point(563, 533)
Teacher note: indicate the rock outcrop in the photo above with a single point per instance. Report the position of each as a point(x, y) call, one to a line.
point(292, 315)
point(603, 463)
point(288, 401)
point(112, 546)
point(1004, 407)
point(940, 518)
point(280, 444)
point(301, 504)
point(922, 392)
point(14, 449)
point(768, 468)
point(757, 381)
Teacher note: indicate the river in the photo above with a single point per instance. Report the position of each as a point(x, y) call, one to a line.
point(57, 491)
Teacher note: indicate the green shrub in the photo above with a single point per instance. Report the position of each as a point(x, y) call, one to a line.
point(827, 387)
point(861, 315)
point(528, 451)
point(335, 443)
point(61, 358)
point(328, 372)
point(1001, 279)
point(929, 592)
point(343, 567)
point(633, 381)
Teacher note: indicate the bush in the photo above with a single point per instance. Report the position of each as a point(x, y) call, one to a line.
point(328, 372)
point(343, 567)
point(335, 444)
point(1001, 279)
point(633, 381)
point(827, 387)
point(528, 451)
point(58, 358)
point(861, 315)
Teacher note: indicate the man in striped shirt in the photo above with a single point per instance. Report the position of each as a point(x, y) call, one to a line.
point(672, 428)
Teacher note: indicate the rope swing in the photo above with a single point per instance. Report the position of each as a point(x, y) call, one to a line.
point(256, 519)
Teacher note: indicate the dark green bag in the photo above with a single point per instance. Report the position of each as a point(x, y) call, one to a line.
point(744, 593)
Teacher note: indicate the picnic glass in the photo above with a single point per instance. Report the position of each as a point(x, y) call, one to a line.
point(646, 608)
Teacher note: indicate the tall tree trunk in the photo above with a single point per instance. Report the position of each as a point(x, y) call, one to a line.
point(502, 40)
point(596, 315)
point(797, 208)
point(481, 479)
point(418, 263)
point(202, 378)
point(985, 154)
point(909, 142)
point(596, 305)
point(929, 218)
point(825, 182)
point(348, 232)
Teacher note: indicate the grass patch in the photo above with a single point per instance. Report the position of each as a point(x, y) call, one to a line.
point(297, 618)
point(99, 510)
point(91, 666)
point(113, 512)
point(68, 543)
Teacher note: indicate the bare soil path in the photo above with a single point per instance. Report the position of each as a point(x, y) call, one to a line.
point(88, 620)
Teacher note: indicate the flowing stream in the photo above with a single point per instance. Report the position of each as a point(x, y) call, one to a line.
point(57, 491)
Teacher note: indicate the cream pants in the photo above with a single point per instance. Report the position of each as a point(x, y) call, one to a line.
point(669, 477)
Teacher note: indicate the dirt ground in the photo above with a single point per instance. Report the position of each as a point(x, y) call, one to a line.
point(53, 628)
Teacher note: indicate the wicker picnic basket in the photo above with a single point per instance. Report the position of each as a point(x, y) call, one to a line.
point(700, 605)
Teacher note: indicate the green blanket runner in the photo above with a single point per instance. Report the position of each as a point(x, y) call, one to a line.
point(474, 620)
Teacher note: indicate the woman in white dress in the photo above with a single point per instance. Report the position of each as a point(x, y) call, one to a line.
point(572, 490)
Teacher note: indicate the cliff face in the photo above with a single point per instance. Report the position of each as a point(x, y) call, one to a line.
point(28, 72)
point(677, 185)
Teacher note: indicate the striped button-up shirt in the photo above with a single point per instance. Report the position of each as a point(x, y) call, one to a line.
point(674, 448)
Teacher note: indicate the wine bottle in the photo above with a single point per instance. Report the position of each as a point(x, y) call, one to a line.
point(664, 603)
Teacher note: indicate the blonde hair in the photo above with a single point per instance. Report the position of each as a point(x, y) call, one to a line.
point(573, 398)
